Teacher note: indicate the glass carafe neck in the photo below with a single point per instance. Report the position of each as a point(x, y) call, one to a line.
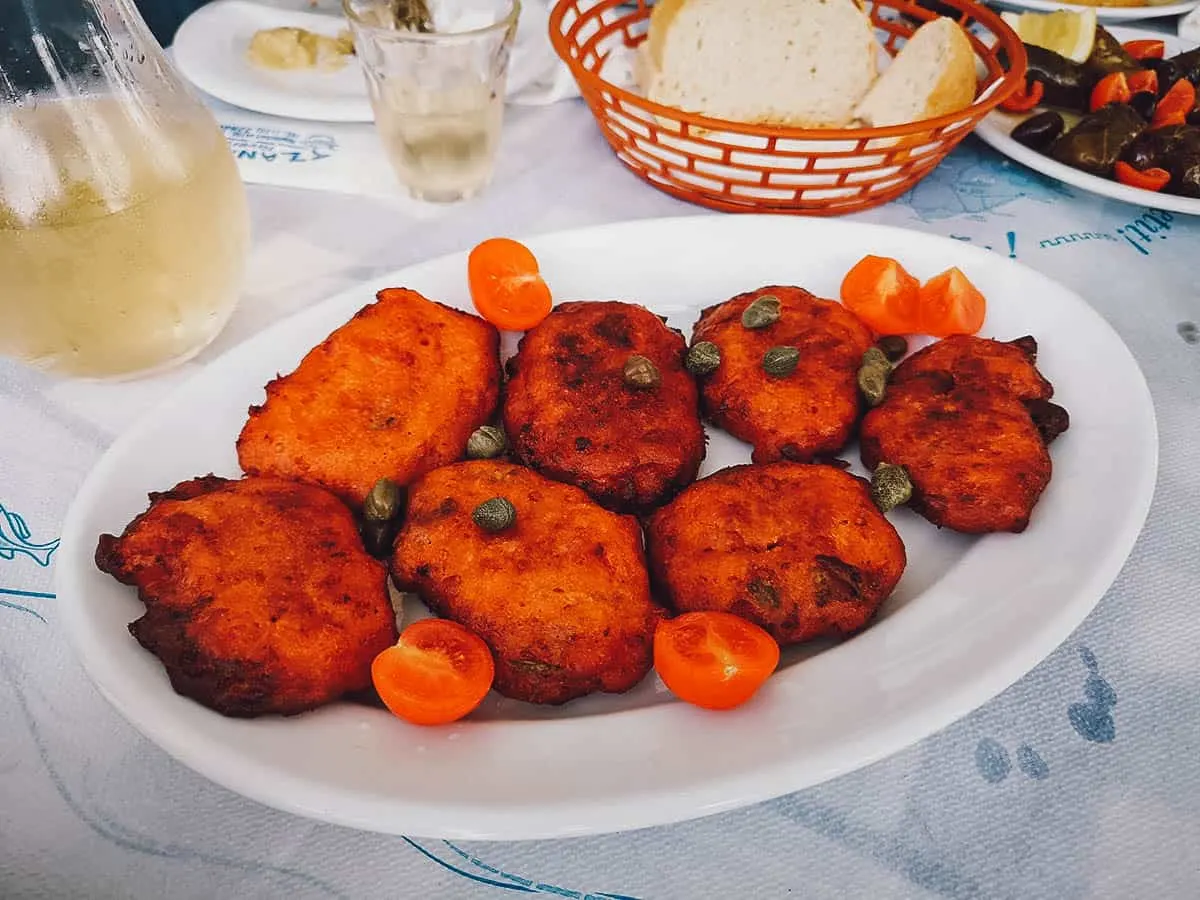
point(67, 47)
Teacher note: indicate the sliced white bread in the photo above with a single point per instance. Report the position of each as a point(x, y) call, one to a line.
point(932, 75)
point(799, 63)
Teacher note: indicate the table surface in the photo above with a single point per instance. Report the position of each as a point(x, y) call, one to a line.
point(1081, 780)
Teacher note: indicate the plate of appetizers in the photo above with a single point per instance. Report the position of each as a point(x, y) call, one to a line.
point(1119, 11)
point(548, 538)
point(1117, 124)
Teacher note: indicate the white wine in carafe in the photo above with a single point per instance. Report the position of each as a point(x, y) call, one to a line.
point(122, 241)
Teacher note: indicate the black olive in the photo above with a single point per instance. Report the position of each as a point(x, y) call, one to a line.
point(1143, 103)
point(1038, 132)
point(1193, 118)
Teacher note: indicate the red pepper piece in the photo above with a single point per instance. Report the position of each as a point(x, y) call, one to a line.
point(1175, 105)
point(1112, 88)
point(1147, 179)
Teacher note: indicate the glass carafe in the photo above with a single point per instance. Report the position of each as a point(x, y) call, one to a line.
point(123, 222)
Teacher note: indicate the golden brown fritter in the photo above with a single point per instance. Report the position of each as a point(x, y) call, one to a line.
point(562, 597)
point(970, 419)
point(570, 415)
point(259, 596)
point(1005, 365)
point(393, 393)
point(799, 549)
point(811, 412)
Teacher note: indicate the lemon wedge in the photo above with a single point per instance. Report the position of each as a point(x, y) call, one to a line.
point(1069, 34)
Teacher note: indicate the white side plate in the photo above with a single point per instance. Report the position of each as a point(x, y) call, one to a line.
point(969, 617)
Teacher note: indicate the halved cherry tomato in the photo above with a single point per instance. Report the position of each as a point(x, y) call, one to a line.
point(1024, 100)
point(950, 304)
point(436, 673)
point(880, 291)
point(1145, 49)
point(506, 286)
point(1112, 88)
point(711, 659)
point(1154, 179)
point(1142, 80)
point(1175, 105)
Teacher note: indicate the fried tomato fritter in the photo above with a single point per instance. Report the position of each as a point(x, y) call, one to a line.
point(797, 548)
point(393, 393)
point(811, 412)
point(562, 597)
point(570, 415)
point(259, 596)
point(970, 419)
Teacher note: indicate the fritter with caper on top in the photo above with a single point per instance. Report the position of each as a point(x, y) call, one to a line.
point(393, 393)
point(970, 419)
point(259, 596)
point(786, 381)
point(797, 548)
point(598, 397)
point(553, 583)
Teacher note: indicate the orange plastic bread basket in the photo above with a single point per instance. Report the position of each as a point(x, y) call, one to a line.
point(760, 168)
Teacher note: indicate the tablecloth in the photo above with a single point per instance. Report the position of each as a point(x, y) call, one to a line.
point(1080, 781)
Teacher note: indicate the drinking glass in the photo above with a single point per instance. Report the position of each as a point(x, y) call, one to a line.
point(123, 222)
point(437, 88)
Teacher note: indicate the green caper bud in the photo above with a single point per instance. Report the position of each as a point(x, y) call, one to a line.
point(762, 312)
point(641, 374)
point(876, 357)
point(890, 486)
point(383, 501)
point(495, 515)
point(486, 442)
point(893, 347)
point(780, 361)
point(703, 358)
point(873, 376)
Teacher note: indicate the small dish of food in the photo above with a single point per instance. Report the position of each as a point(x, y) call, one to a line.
point(1116, 116)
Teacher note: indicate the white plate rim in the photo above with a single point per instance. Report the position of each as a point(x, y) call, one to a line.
point(1105, 13)
point(222, 764)
point(995, 128)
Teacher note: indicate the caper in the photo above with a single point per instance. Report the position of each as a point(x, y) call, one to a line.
point(641, 374)
point(890, 486)
point(703, 358)
point(486, 442)
point(1038, 132)
point(762, 312)
point(495, 515)
point(383, 501)
point(780, 361)
point(874, 356)
point(893, 346)
point(873, 375)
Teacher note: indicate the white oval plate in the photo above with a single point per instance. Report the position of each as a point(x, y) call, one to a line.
point(1106, 13)
point(210, 50)
point(969, 617)
point(997, 127)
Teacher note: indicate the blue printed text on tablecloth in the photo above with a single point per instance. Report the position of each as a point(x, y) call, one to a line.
point(278, 144)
